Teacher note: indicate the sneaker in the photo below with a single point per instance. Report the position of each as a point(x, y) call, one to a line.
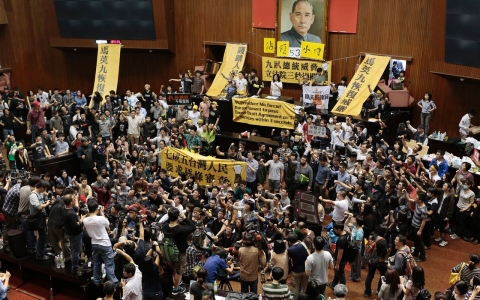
point(454, 236)
point(180, 290)
point(330, 285)
point(475, 242)
point(443, 243)
point(366, 295)
point(438, 240)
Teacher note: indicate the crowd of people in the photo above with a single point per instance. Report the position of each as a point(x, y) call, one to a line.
point(152, 231)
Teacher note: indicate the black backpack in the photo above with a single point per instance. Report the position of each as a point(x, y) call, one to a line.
point(353, 249)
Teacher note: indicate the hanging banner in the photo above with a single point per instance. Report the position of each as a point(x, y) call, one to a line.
point(316, 95)
point(369, 72)
point(108, 64)
point(233, 60)
point(204, 168)
point(290, 70)
point(263, 112)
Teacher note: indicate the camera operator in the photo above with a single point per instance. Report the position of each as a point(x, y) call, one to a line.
point(101, 245)
point(216, 263)
point(38, 203)
point(73, 226)
point(251, 259)
point(135, 250)
point(55, 222)
point(178, 233)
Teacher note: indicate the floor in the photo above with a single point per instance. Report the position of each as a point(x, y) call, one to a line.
point(440, 261)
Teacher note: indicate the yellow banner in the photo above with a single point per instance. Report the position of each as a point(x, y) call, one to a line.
point(204, 168)
point(312, 50)
point(369, 72)
point(268, 45)
point(233, 60)
point(263, 112)
point(292, 69)
point(108, 63)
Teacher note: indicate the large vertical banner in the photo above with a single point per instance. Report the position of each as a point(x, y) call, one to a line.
point(369, 72)
point(233, 60)
point(108, 64)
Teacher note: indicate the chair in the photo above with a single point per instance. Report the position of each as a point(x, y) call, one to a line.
point(398, 98)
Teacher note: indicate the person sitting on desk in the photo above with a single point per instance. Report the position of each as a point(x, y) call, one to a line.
point(231, 87)
point(284, 137)
point(320, 78)
point(465, 125)
point(256, 86)
point(419, 134)
point(369, 110)
point(276, 86)
point(302, 18)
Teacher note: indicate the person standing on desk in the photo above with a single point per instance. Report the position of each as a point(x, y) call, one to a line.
point(302, 18)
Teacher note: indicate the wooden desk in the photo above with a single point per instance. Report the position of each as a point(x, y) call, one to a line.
point(53, 165)
point(457, 149)
point(224, 139)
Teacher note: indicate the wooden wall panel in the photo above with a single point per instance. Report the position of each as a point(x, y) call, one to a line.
point(401, 28)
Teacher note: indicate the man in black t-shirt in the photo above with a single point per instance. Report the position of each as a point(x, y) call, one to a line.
point(148, 97)
point(381, 248)
point(340, 254)
point(214, 116)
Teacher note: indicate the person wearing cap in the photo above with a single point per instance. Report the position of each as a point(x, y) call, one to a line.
point(419, 134)
point(377, 96)
point(194, 115)
point(36, 119)
point(194, 142)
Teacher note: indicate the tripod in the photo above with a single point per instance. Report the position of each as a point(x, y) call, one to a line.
point(225, 284)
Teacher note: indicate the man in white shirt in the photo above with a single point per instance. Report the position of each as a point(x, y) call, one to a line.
point(132, 99)
point(101, 245)
point(241, 84)
point(336, 136)
point(340, 206)
point(466, 124)
point(194, 115)
point(42, 96)
point(133, 131)
point(132, 284)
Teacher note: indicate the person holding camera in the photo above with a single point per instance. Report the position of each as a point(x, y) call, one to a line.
point(55, 223)
point(251, 259)
point(135, 250)
point(218, 266)
point(101, 246)
point(38, 203)
point(73, 227)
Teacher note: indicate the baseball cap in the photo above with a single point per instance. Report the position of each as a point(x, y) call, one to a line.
point(199, 121)
point(214, 103)
point(134, 209)
point(6, 87)
point(195, 107)
point(35, 103)
point(379, 92)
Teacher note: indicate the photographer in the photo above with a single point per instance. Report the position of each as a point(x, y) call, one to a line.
point(217, 266)
point(135, 250)
point(251, 259)
point(73, 227)
point(152, 287)
point(38, 203)
point(178, 233)
point(55, 223)
point(101, 245)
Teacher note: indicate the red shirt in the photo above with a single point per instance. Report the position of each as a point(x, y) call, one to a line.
point(37, 117)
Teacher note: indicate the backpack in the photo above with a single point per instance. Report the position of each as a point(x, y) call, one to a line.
point(169, 250)
point(371, 256)
point(352, 250)
point(410, 262)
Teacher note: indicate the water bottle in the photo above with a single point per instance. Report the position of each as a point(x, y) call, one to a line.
point(51, 293)
point(215, 287)
point(57, 262)
point(1, 244)
point(62, 261)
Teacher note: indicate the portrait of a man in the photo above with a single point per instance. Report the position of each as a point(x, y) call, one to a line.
point(305, 24)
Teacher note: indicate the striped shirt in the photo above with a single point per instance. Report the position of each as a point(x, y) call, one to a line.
point(419, 214)
point(12, 200)
point(466, 274)
point(276, 291)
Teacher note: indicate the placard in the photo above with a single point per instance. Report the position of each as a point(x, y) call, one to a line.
point(282, 48)
point(317, 130)
point(263, 112)
point(204, 168)
point(316, 95)
point(178, 99)
point(312, 50)
point(268, 45)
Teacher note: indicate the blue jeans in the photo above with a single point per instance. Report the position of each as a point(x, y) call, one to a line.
point(7, 132)
point(253, 285)
point(41, 241)
point(76, 247)
point(103, 254)
point(29, 235)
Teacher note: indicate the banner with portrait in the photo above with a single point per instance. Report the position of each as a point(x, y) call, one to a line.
point(263, 112)
point(316, 95)
point(204, 168)
point(233, 60)
point(369, 72)
point(302, 21)
point(291, 70)
point(108, 64)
